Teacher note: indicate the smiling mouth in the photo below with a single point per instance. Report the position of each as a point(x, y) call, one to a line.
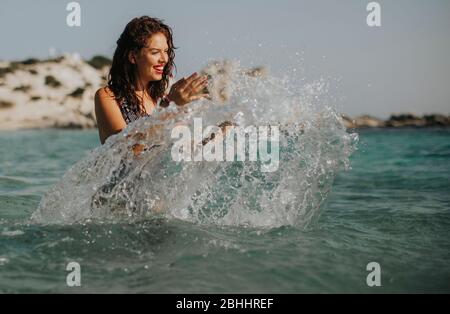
point(159, 69)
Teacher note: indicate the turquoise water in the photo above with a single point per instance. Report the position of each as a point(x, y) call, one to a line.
point(392, 207)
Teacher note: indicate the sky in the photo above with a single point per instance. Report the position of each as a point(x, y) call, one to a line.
point(401, 66)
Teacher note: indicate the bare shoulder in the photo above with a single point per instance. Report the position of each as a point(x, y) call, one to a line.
point(108, 114)
point(106, 103)
point(104, 95)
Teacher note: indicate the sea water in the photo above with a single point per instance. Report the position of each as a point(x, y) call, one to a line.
point(229, 227)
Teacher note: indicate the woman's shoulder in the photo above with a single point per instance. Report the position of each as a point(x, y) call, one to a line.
point(105, 93)
point(106, 99)
point(108, 113)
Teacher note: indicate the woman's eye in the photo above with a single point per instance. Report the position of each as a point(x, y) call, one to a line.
point(157, 52)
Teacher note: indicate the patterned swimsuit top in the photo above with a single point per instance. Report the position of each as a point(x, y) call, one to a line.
point(130, 113)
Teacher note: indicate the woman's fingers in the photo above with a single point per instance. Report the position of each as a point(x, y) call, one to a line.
point(207, 96)
point(189, 80)
point(189, 89)
point(178, 83)
point(185, 83)
point(201, 82)
point(198, 87)
point(196, 97)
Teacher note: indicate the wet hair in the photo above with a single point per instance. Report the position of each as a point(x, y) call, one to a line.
point(122, 75)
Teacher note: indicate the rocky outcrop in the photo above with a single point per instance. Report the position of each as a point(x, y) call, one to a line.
point(364, 121)
point(411, 120)
point(403, 120)
point(437, 120)
point(55, 93)
point(398, 121)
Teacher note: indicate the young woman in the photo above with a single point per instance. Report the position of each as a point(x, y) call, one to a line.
point(139, 77)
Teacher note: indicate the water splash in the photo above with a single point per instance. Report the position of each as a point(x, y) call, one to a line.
point(132, 176)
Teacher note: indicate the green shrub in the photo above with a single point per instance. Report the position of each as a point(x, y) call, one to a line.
point(6, 104)
point(52, 81)
point(23, 88)
point(98, 62)
point(15, 66)
point(55, 60)
point(4, 71)
point(77, 93)
point(30, 61)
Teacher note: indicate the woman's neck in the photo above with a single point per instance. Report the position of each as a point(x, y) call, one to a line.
point(140, 88)
point(140, 85)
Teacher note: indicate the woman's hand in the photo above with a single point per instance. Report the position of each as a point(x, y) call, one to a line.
point(186, 90)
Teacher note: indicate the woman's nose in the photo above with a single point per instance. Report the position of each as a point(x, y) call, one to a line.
point(163, 58)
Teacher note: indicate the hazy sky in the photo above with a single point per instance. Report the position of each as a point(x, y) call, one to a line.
point(403, 65)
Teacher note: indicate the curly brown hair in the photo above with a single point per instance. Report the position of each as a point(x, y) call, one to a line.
point(122, 75)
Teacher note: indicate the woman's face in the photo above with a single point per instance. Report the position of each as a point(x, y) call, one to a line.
point(152, 59)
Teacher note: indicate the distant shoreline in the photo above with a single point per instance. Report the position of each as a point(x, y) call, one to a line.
point(59, 93)
point(401, 120)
